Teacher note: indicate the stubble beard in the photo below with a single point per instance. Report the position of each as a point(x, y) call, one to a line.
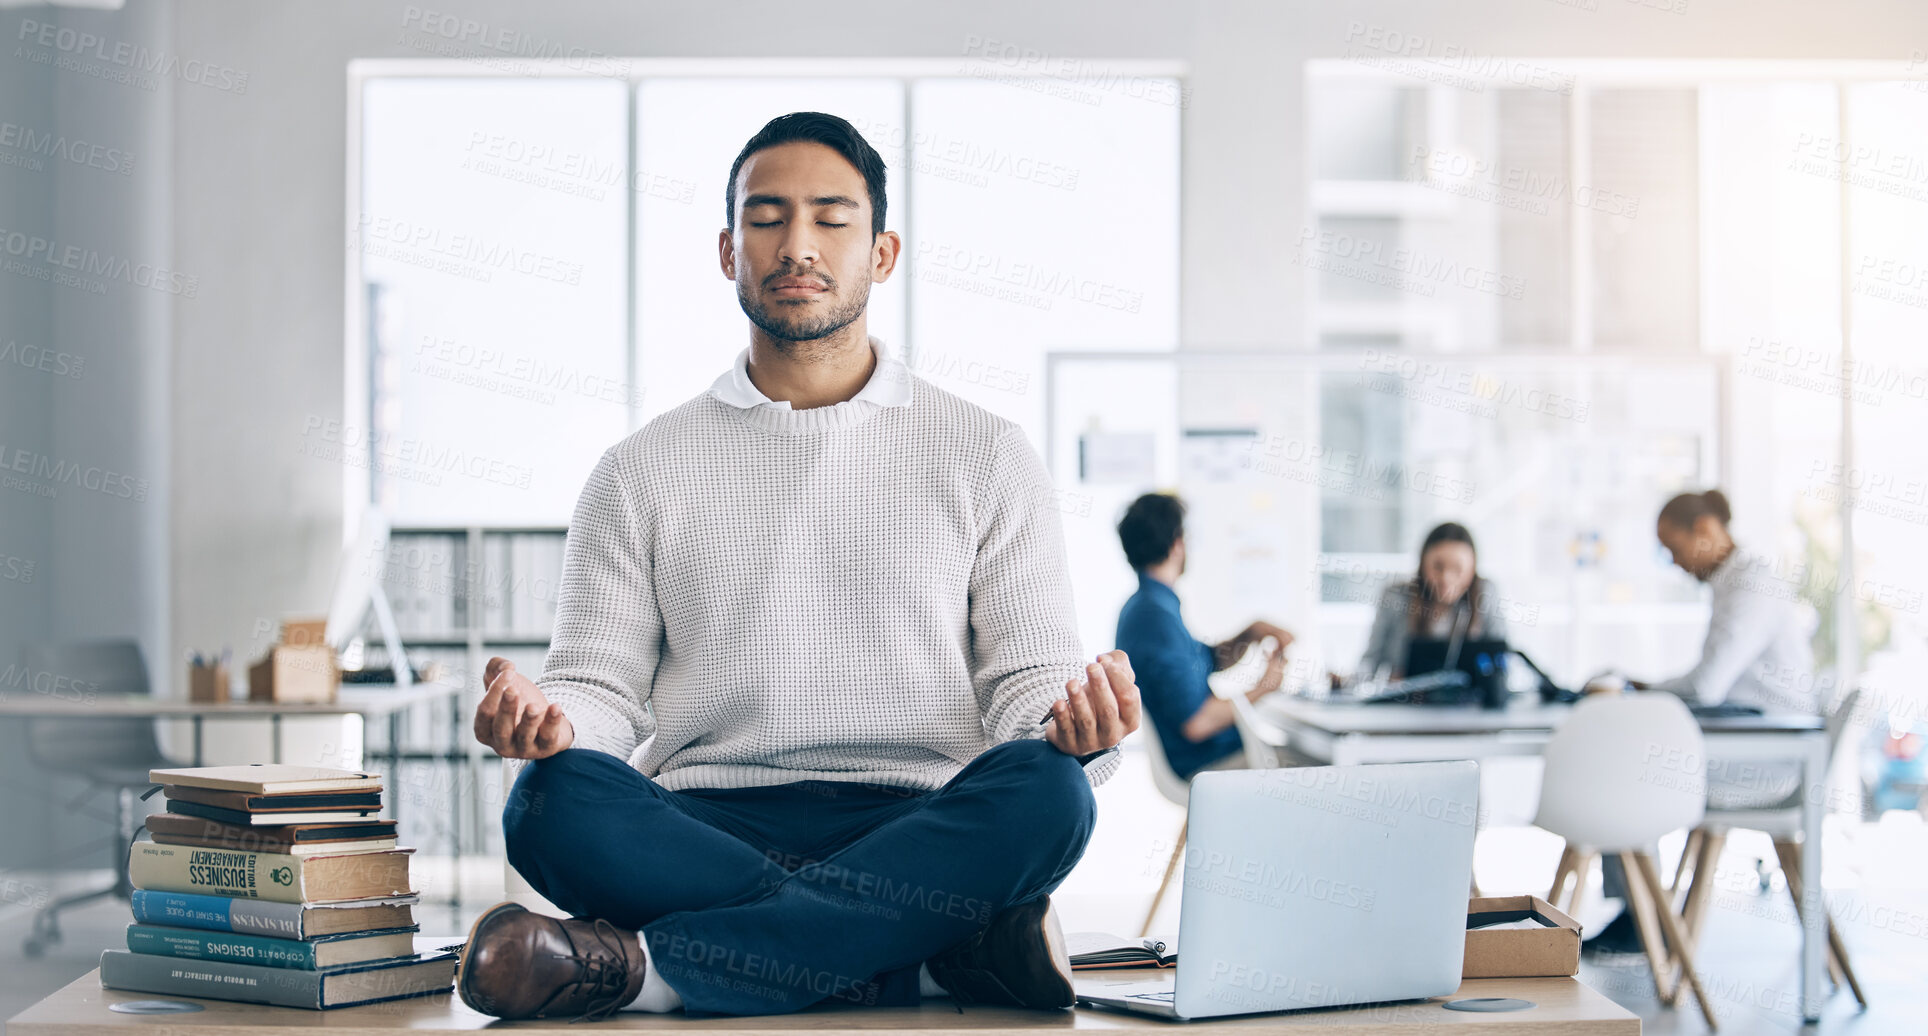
point(803, 336)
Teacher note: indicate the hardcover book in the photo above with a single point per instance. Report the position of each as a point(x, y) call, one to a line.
point(281, 877)
point(241, 818)
point(177, 829)
point(392, 979)
point(313, 954)
point(268, 778)
point(261, 917)
point(249, 802)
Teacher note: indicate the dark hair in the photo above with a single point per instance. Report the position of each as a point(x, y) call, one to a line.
point(1687, 508)
point(1425, 603)
point(1150, 526)
point(828, 130)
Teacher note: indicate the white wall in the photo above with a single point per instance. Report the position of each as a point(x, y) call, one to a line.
point(97, 545)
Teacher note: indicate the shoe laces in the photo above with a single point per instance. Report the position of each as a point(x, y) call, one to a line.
point(605, 977)
point(959, 997)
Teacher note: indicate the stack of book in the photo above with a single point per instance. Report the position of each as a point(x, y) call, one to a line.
point(273, 885)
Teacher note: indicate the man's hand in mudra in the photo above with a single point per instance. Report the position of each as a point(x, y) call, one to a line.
point(1099, 710)
point(516, 719)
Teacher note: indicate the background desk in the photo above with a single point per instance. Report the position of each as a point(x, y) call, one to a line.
point(1346, 733)
point(369, 701)
point(1565, 1008)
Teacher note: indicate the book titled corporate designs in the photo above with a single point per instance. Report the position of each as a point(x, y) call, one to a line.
point(313, 954)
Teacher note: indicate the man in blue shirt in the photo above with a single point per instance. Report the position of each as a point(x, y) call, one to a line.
point(1193, 725)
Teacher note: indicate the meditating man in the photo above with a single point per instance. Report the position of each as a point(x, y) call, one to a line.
point(815, 722)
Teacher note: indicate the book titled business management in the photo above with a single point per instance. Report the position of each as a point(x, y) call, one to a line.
point(391, 979)
point(281, 877)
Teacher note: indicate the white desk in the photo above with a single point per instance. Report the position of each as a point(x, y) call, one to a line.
point(1344, 733)
point(1563, 1006)
point(369, 701)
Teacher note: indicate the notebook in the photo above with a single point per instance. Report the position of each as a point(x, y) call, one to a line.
point(268, 778)
point(1101, 950)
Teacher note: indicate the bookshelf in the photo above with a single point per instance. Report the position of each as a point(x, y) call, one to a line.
point(460, 595)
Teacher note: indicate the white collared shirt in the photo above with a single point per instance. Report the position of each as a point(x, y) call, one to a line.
point(1756, 651)
point(889, 384)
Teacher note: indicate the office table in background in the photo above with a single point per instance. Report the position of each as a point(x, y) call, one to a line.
point(369, 701)
point(1562, 1005)
point(1344, 733)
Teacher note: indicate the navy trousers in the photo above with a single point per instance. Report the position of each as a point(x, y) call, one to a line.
point(766, 900)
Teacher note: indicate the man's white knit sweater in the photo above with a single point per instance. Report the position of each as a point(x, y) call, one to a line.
point(871, 591)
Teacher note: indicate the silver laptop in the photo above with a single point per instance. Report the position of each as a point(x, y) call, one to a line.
point(1317, 886)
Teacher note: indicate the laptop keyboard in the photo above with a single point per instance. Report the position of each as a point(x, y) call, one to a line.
point(1163, 998)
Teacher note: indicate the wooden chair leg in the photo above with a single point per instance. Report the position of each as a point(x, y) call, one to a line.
point(1170, 866)
point(1700, 887)
point(1561, 871)
point(1582, 869)
point(1644, 905)
point(1650, 875)
point(1838, 966)
point(1688, 853)
point(1790, 856)
point(1839, 952)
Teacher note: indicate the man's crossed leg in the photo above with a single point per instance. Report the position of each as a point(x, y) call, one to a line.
point(765, 900)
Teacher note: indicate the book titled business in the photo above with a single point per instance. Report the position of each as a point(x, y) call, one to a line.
point(279, 877)
point(264, 917)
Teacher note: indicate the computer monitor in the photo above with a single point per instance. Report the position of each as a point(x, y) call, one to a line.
point(1483, 661)
point(358, 589)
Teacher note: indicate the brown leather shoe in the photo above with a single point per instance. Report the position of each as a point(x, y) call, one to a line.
point(518, 964)
point(1018, 959)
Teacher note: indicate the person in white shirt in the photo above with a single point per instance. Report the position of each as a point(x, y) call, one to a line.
point(1756, 652)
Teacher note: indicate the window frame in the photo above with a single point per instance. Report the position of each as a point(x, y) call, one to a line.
point(356, 482)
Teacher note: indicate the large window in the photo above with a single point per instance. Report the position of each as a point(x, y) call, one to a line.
point(533, 258)
point(491, 235)
point(1682, 222)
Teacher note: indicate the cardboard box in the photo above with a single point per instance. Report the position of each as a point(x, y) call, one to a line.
point(303, 632)
point(295, 674)
point(1547, 952)
point(207, 682)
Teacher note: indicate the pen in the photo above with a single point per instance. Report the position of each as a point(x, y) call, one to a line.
point(1046, 721)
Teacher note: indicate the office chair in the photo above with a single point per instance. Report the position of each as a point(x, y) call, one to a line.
point(1176, 790)
point(1261, 737)
point(1621, 772)
point(1261, 751)
point(1780, 820)
point(105, 753)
